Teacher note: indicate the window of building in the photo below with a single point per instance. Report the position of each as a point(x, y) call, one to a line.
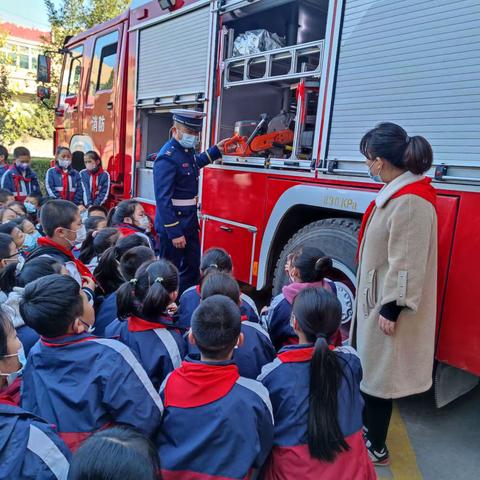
point(103, 64)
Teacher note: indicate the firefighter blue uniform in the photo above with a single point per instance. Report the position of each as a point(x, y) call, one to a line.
point(287, 380)
point(216, 423)
point(20, 185)
point(60, 385)
point(159, 347)
point(66, 185)
point(96, 186)
point(175, 174)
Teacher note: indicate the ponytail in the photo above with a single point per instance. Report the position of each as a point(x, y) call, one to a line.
point(215, 260)
point(107, 272)
point(125, 209)
point(418, 156)
point(318, 313)
point(391, 142)
point(311, 264)
point(147, 295)
point(87, 251)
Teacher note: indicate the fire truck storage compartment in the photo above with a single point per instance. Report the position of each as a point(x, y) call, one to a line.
point(272, 64)
point(155, 127)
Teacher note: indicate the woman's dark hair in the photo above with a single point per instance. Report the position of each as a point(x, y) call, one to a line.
point(391, 142)
point(318, 314)
point(93, 155)
point(312, 264)
point(116, 453)
point(50, 304)
point(220, 283)
point(215, 260)
point(6, 328)
point(124, 209)
point(97, 242)
point(132, 260)
point(148, 294)
point(107, 271)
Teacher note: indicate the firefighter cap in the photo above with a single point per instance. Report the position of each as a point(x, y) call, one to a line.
point(190, 118)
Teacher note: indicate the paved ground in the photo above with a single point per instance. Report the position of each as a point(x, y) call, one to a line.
point(435, 444)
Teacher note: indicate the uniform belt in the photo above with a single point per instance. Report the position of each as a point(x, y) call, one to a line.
point(176, 202)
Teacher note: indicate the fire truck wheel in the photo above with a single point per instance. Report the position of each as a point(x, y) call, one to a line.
point(337, 238)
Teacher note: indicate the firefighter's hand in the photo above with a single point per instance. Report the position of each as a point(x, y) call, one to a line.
point(179, 242)
point(386, 326)
point(221, 145)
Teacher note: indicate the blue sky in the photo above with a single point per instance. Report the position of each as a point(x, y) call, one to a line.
point(30, 13)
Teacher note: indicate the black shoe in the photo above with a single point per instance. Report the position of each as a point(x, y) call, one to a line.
point(379, 459)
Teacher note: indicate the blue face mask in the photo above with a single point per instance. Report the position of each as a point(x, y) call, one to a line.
point(376, 178)
point(188, 141)
point(30, 241)
point(30, 207)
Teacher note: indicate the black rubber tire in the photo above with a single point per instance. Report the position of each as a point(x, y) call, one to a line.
point(336, 237)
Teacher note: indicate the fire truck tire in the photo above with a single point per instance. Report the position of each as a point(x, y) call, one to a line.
point(337, 238)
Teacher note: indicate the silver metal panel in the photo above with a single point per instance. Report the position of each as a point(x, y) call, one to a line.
point(415, 63)
point(145, 184)
point(174, 56)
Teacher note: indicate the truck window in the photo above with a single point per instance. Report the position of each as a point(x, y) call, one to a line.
point(103, 64)
point(71, 74)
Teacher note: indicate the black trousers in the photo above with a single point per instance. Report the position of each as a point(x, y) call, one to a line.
point(376, 417)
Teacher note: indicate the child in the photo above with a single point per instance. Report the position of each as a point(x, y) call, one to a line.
point(97, 241)
point(95, 180)
point(116, 453)
point(30, 447)
point(77, 381)
point(130, 262)
point(18, 208)
point(63, 181)
point(257, 349)
point(213, 260)
point(317, 404)
point(149, 330)
point(5, 196)
point(216, 424)
point(308, 268)
point(4, 166)
point(15, 232)
point(20, 179)
point(130, 218)
point(61, 223)
point(31, 235)
point(97, 211)
point(32, 205)
point(7, 215)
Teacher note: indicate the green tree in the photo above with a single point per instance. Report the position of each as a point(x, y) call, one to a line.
point(6, 98)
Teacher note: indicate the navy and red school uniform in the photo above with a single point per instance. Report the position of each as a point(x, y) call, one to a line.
point(257, 350)
point(159, 346)
point(280, 312)
point(29, 446)
point(105, 314)
point(66, 185)
point(96, 186)
point(127, 229)
point(287, 380)
point(3, 169)
point(216, 424)
point(21, 185)
point(191, 298)
point(83, 383)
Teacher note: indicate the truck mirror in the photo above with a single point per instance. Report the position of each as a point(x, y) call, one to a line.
point(44, 93)
point(44, 66)
point(171, 4)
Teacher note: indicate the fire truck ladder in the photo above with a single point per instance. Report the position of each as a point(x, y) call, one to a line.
point(280, 64)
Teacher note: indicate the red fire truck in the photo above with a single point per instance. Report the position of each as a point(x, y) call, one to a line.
point(298, 82)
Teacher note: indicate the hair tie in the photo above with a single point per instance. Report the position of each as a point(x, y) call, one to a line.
point(321, 335)
point(407, 139)
point(158, 280)
point(133, 281)
point(94, 233)
point(213, 265)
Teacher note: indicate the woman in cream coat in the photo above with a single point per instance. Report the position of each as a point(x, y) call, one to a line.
point(394, 325)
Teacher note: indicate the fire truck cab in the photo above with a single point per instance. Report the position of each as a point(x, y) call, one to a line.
point(297, 82)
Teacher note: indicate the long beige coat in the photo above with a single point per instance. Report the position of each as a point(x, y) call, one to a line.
point(398, 262)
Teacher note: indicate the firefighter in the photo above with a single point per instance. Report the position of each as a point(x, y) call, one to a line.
point(175, 175)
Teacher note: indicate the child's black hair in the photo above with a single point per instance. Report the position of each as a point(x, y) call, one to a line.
point(97, 242)
point(4, 153)
point(125, 209)
point(107, 271)
point(5, 242)
point(215, 260)
point(60, 149)
point(98, 208)
point(57, 213)
point(6, 328)
point(312, 264)
point(220, 283)
point(5, 195)
point(21, 152)
point(51, 304)
point(9, 227)
point(116, 453)
point(318, 313)
point(216, 326)
point(20, 205)
point(93, 155)
point(37, 268)
point(147, 295)
point(132, 259)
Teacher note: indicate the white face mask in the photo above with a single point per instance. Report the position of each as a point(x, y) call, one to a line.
point(144, 222)
point(80, 235)
point(188, 141)
point(11, 377)
point(64, 163)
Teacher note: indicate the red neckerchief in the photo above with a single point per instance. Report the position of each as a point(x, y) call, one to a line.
point(196, 384)
point(65, 190)
point(11, 394)
point(94, 176)
point(299, 354)
point(126, 229)
point(137, 324)
point(17, 178)
point(422, 189)
point(81, 267)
